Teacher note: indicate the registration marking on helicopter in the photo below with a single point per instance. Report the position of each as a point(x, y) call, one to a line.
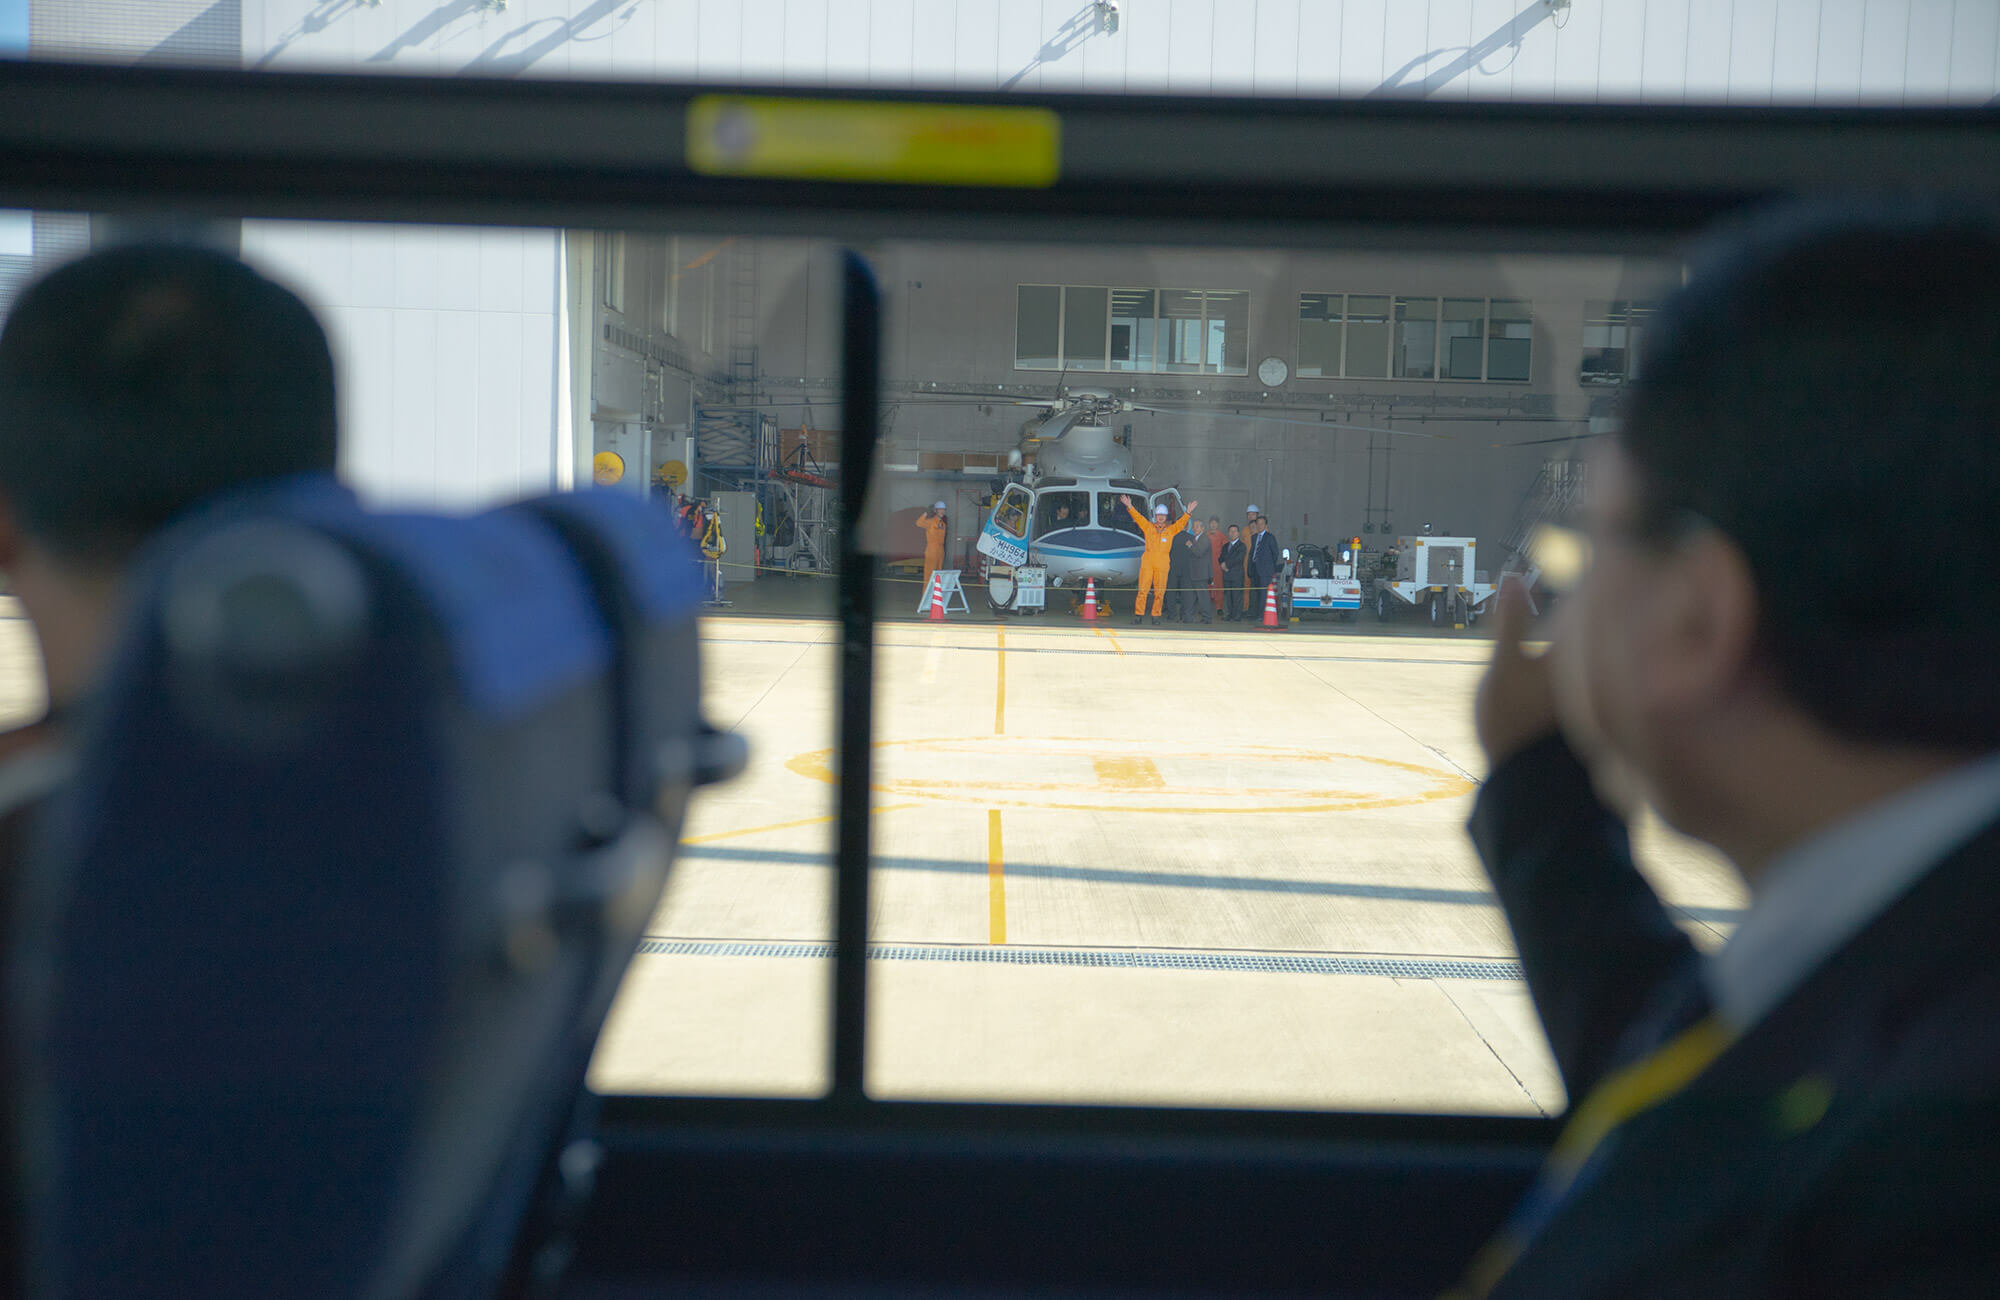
point(1093, 774)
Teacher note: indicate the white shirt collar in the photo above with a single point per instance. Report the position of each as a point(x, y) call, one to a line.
point(1822, 892)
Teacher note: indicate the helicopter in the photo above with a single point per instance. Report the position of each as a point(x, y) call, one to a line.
point(1062, 511)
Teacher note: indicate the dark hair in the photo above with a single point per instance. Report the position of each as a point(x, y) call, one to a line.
point(1826, 391)
point(138, 380)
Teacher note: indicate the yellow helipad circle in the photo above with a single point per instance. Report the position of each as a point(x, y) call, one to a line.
point(1091, 774)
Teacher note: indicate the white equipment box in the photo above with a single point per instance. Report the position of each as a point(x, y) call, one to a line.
point(1436, 575)
point(1031, 584)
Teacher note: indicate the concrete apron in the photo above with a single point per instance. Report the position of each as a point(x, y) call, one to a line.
point(1170, 867)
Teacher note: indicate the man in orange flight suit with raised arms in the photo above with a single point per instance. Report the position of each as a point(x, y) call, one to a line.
point(1159, 535)
point(933, 524)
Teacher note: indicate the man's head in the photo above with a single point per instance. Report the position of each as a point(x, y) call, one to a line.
point(135, 382)
point(1214, 524)
point(1160, 514)
point(1194, 527)
point(1792, 532)
point(1235, 533)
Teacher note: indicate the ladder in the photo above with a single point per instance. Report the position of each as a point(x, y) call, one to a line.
point(743, 314)
point(1552, 497)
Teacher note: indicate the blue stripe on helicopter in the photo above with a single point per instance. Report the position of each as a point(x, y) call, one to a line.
point(1083, 553)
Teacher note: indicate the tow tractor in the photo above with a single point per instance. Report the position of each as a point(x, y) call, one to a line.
point(1438, 578)
point(1327, 580)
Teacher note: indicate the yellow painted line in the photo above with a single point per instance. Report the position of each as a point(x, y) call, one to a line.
point(1000, 684)
point(1112, 639)
point(1128, 774)
point(996, 882)
point(783, 826)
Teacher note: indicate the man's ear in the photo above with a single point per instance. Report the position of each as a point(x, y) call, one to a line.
point(1708, 631)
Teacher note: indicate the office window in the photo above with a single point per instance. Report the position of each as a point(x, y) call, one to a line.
point(1181, 325)
point(1367, 355)
point(1510, 330)
point(1462, 355)
point(1229, 330)
point(1134, 325)
point(1143, 331)
point(1415, 351)
point(1320, 333)
point(1085, 319)
point(1353, 336)
point(1612, 332)
point(1038, 327)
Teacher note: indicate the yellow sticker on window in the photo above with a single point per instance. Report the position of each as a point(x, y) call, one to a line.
point(858, 140)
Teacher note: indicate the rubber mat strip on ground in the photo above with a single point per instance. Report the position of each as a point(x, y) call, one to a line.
point(1262, 963)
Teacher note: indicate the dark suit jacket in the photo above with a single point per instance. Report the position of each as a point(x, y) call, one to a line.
point(1264, 559)
point(1848, 1143)
point(1233, 555)
point(31, 766)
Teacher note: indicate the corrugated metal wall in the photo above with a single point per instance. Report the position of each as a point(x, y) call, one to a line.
point(1738, 51)
point(446, 346)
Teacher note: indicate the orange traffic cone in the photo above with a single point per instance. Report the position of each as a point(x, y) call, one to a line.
point(937, 598)
point(1090, 600)
point(1271, 606)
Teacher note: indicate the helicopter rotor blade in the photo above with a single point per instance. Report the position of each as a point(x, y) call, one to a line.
point(975, 399)
point(1277, 419)
point(1544, 442)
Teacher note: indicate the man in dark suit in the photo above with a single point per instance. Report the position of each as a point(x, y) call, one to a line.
point(1187, 572)
point(1262, 569)
point(1815, 1109)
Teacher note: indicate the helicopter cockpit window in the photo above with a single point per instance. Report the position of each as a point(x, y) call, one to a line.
point(1011, 514)
point(1054, 510)
point(1112, 514)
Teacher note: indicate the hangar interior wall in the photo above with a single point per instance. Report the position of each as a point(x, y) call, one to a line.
point(950, 327)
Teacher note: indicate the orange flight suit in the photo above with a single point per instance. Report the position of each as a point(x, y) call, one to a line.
point(933, 526)
point(1153, 564)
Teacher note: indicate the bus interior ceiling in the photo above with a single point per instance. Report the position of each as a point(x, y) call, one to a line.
point(1184, 980)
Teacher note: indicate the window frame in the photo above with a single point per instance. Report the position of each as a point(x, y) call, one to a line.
point(1632, 315)
point(511, 153)
point(1207, 327)
point(1345, 321)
